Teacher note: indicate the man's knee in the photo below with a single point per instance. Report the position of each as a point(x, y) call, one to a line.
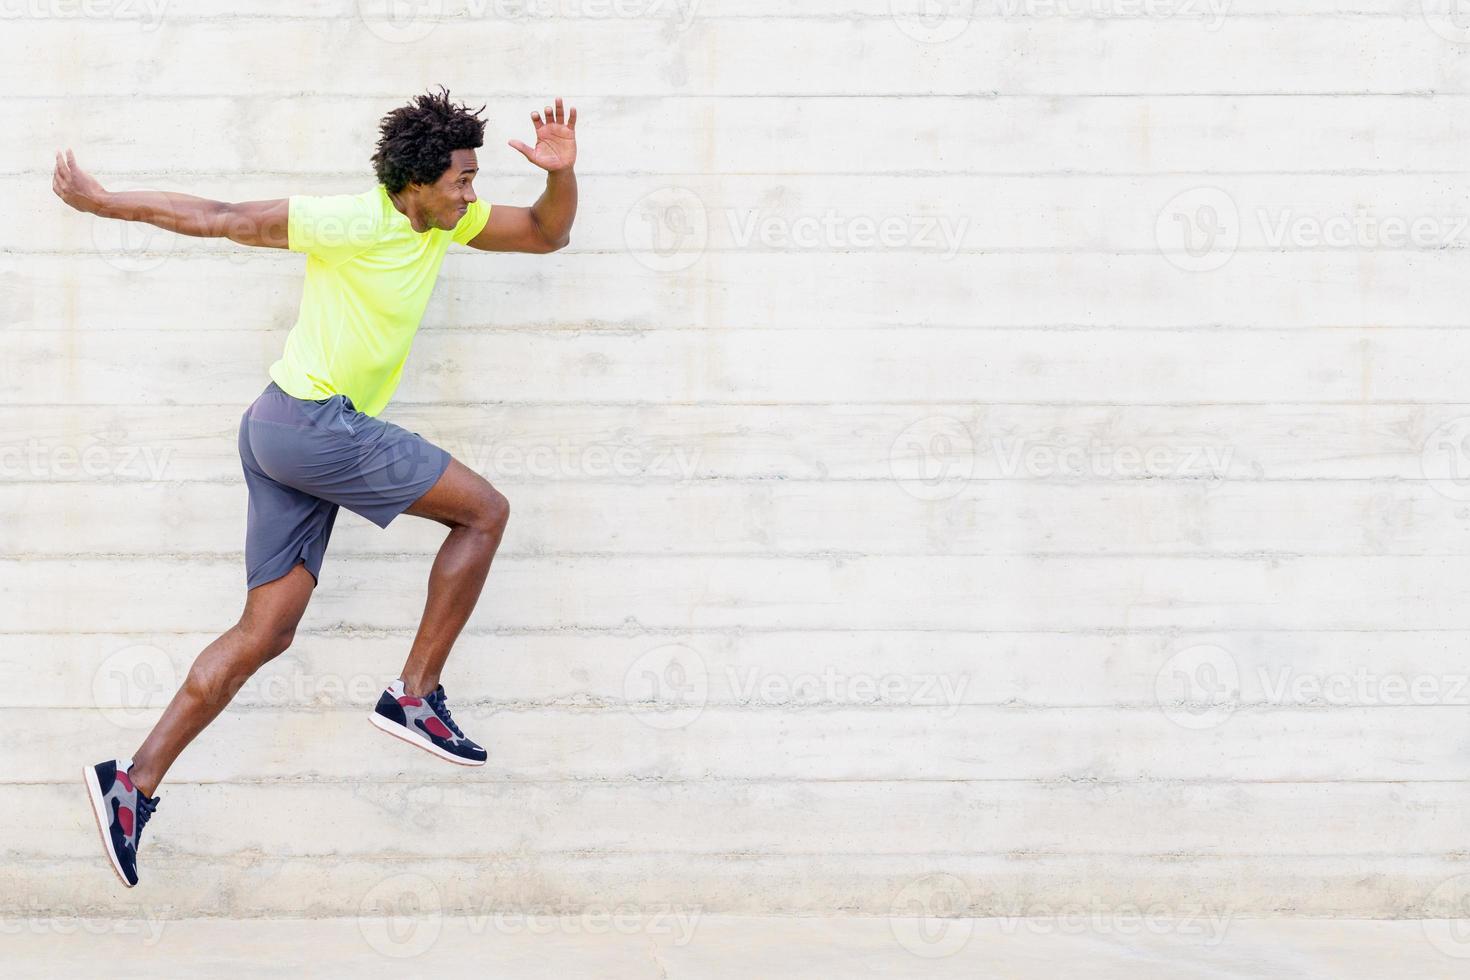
point(492, 512)
point(267, 640)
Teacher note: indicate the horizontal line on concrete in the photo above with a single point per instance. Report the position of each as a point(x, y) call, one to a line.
point(979, 16)
point(939, 254)
point(753, 708)
point(582, 328)
point(500, 780)
point(396, 97)
point(737, 631)
point(1072, 483)
point(592, 854)
point(722, 403)
point(221, 557)
point(519, 556)
point(162, 173)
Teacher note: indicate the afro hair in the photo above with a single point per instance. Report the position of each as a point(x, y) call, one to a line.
point(416, 140)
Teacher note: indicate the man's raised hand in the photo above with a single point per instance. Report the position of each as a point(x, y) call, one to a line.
point(556, 139)
point(75, 186)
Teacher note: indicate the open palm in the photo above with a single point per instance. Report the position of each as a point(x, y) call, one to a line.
point(556, 139)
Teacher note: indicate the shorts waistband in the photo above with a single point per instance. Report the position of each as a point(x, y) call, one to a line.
point(315, 401)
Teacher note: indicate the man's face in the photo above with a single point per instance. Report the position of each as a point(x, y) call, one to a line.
point(445, 201)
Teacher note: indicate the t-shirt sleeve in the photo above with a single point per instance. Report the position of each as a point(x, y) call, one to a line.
point(472, 223)
point(333, 228)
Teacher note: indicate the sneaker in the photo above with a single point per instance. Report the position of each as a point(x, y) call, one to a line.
point(425, 722)
point(121, 811)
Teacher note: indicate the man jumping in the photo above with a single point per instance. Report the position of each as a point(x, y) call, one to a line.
point(312, 441)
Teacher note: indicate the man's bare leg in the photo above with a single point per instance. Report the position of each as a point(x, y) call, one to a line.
point(265, 631)
point(476, 514)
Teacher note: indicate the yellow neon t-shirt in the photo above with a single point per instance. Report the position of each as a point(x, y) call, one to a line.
point(368, 280)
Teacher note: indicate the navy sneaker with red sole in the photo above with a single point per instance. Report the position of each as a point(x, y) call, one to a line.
point(122, 811)
point(425, 722)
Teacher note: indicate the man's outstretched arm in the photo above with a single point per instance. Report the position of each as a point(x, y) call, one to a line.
point(546, 225)
point(260, 223)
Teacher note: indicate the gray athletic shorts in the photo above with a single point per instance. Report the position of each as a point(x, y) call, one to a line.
point(303, 458)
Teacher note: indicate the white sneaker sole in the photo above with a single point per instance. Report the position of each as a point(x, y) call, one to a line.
point(104, 820)
point(404, 735)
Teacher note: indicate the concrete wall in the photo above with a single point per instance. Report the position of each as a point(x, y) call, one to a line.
point(995, 463)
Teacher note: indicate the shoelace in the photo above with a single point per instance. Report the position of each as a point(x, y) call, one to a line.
point(441, 708)
point(146, 806)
